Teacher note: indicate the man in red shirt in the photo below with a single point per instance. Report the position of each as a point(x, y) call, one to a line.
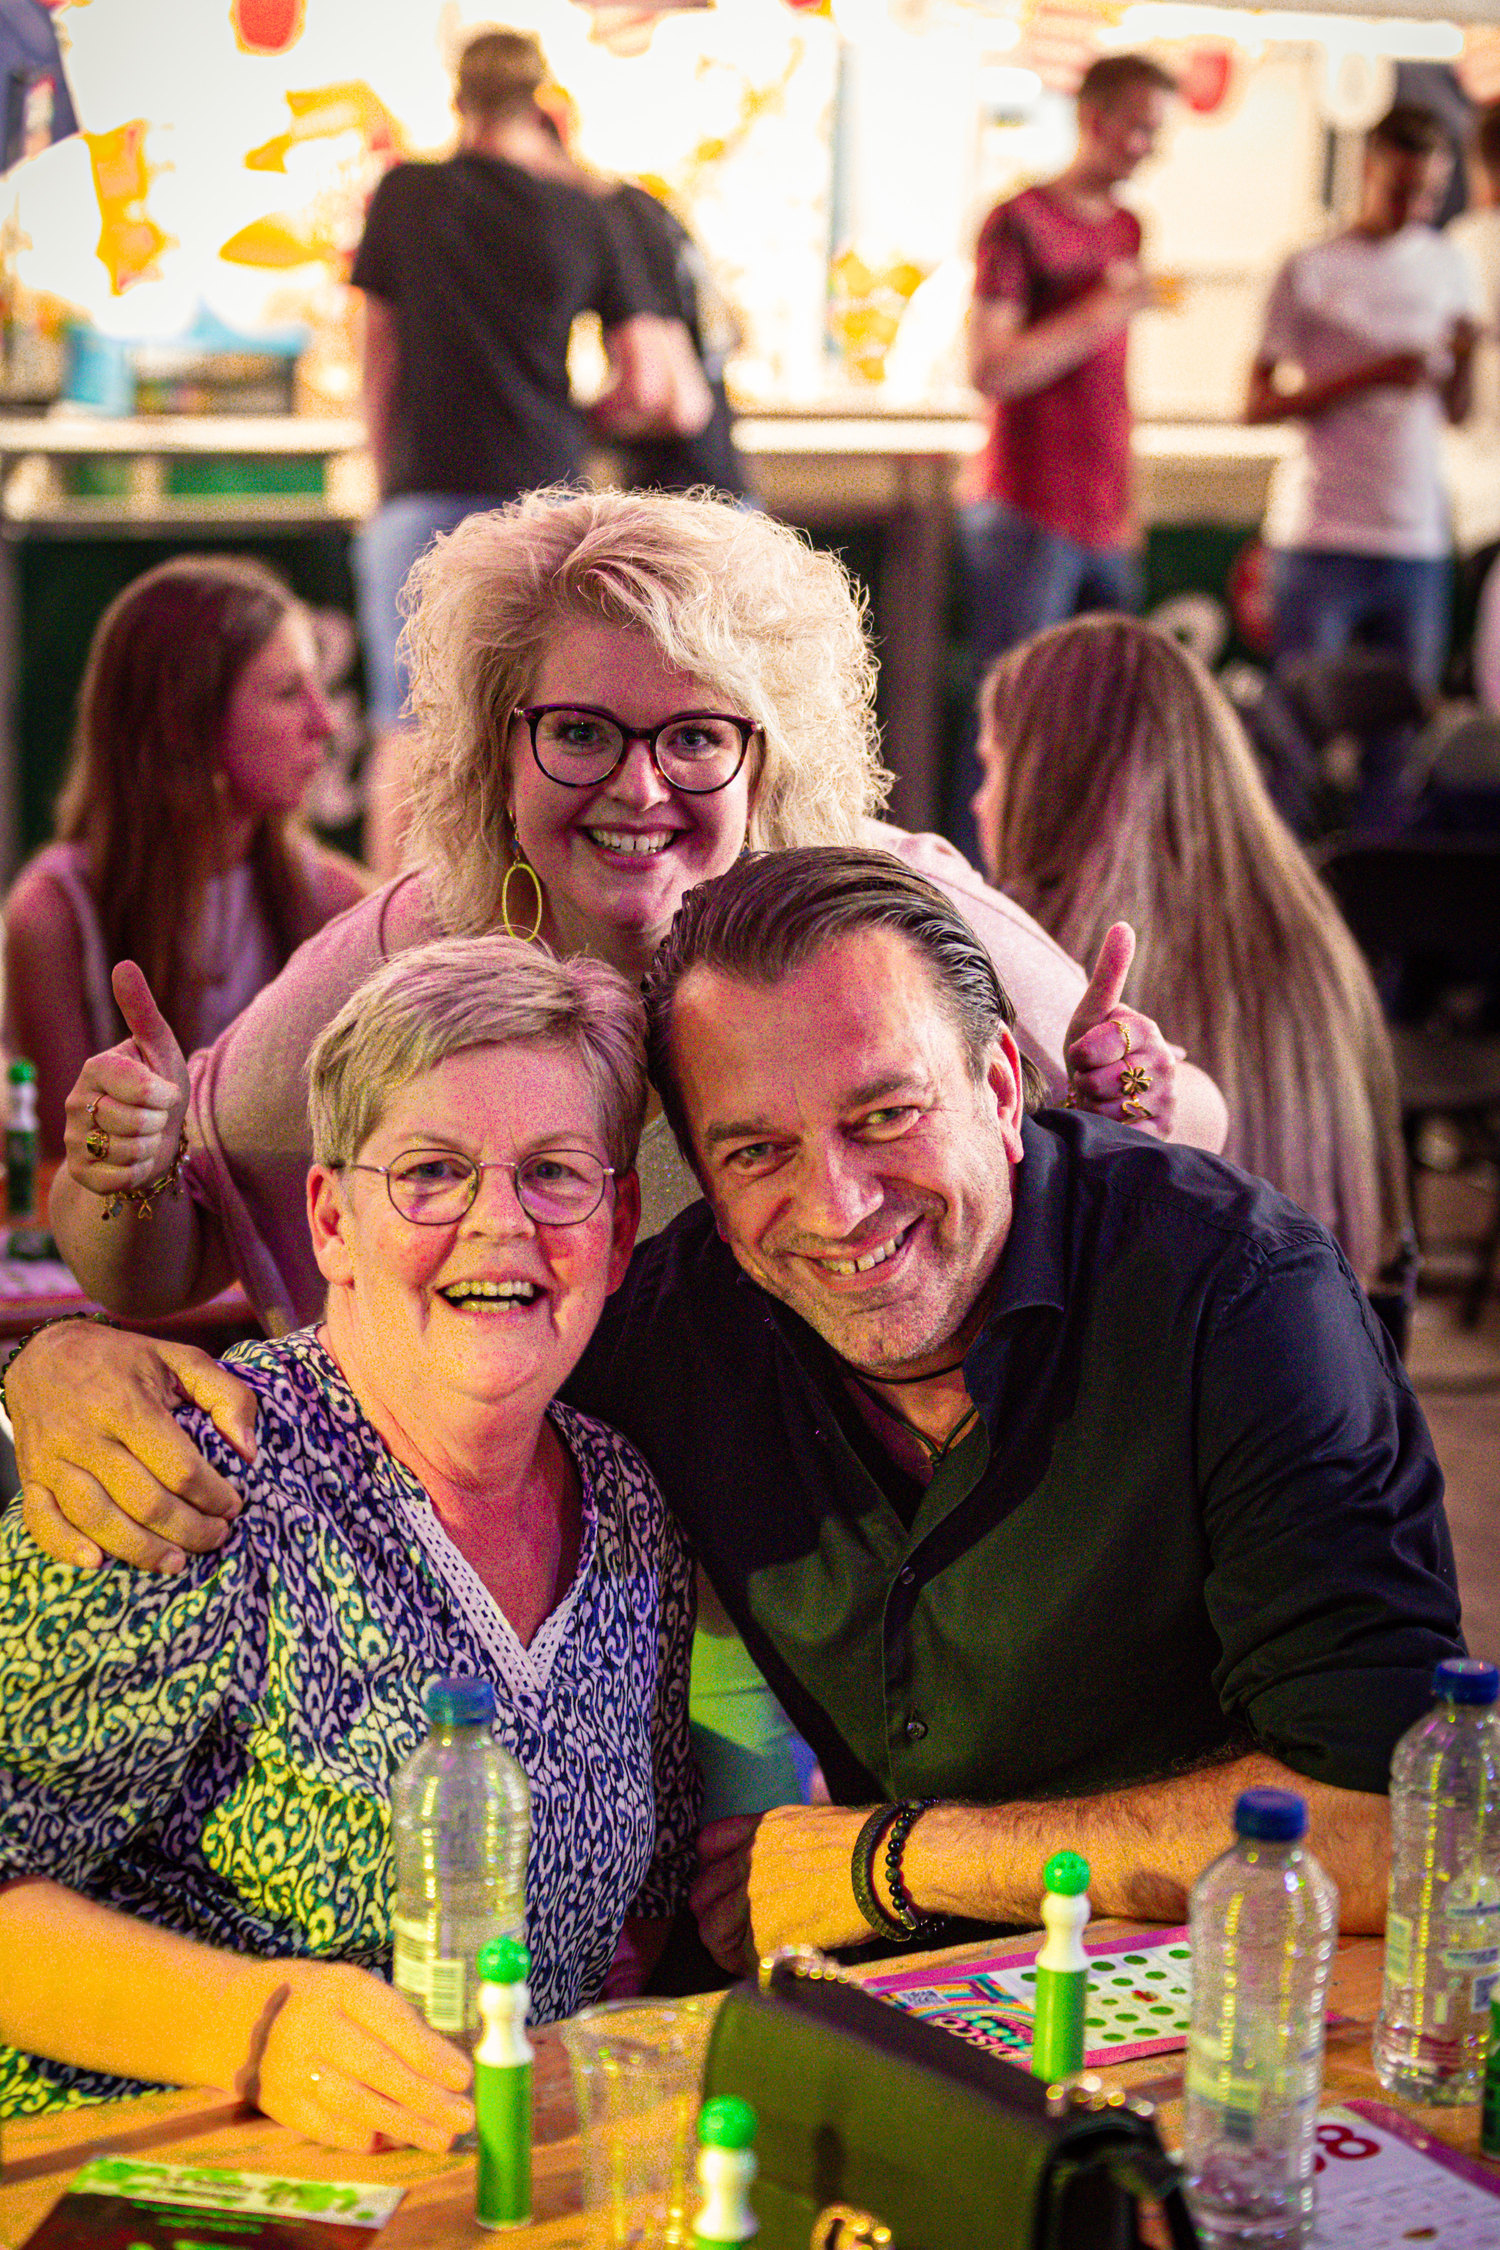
point(1056, 281)
point(1057, 277)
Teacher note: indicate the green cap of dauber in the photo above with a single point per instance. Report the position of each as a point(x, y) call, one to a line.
point(503, 1960)
point(726, 2122)
point(1066, 1873)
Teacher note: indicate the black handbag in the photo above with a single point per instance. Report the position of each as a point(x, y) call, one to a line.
point(877, 2129)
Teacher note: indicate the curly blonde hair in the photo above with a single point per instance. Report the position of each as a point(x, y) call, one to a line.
point(1130, 792)
point(738, 601)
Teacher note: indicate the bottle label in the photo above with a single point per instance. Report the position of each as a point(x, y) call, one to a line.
point(1398, 1937)
point(1471, 1957)
point(410, 1966)
point(445, 1995)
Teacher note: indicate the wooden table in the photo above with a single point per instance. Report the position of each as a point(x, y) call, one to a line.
point(41, 2154)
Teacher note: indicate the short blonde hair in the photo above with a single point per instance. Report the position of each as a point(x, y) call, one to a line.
point(744, 604)
point(439, 1000)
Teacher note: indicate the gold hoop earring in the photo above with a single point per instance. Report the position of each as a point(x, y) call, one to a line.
point(522, 866)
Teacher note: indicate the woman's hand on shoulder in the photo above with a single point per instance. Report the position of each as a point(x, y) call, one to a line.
point(347, 2061)
point(1119, 1063)
point(125, 1112)
point(105, 1468)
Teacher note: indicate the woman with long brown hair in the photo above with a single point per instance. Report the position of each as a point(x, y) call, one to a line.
point(1119, 786)
point(201, 721)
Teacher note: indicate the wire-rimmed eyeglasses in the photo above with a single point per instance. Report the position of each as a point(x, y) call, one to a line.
point(436, 1187)
point(695, 751)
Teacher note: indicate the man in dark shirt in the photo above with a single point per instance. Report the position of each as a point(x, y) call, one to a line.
point(473, 272)
point(1049, 1471)
point(1034, 1459)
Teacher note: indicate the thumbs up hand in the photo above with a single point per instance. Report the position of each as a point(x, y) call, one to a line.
point(1119, 1064)
point(125, 1113)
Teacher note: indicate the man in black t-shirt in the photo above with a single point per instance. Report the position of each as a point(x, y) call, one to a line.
point(685, 291)
point(473, 272)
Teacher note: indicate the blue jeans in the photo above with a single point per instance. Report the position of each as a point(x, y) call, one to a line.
point(1019, 577)
point(384, 550)
point(1326, 601)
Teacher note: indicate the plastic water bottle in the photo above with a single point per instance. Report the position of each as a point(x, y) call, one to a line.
point(1264, 1923)
point(1442, 1924)
point(460, 1827)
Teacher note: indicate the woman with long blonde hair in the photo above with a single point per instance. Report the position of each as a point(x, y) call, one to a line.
point(1119, 785)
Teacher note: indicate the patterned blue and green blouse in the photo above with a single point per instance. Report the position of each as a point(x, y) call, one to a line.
point(213, 1752)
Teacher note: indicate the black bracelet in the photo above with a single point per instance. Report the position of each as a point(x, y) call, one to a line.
point(862, 1875)
point(55, 1320)
point(913, 1924)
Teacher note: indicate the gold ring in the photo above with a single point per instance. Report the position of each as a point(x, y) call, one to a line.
point(1070, 1098)
point(1132, 1112)
point(1124, 1031)
point(1134, 1080)
point(97, 1145)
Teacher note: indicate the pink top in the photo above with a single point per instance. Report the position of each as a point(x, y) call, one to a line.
point(247, 1117)
point(1061, 456)
point(237, 952)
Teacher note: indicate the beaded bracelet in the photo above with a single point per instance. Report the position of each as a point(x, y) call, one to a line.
point(55, 1320)
point(862, 1875)
point(913, 1924)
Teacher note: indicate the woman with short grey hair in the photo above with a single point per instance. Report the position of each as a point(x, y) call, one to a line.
point(198, 1767)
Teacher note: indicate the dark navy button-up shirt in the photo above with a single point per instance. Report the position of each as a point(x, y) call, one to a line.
point(1201, 1508)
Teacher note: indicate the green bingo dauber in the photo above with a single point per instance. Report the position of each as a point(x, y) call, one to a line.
point(1062, 1969)
point(502, 2086)
point(726, 2168)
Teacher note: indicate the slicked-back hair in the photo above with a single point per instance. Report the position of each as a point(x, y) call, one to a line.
point(443, 999)
point(1110, 76)
point(773, 912)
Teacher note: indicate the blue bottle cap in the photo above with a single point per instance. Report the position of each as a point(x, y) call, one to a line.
point(1270, 1816)
point(1463, 1679)
point(459, 1703)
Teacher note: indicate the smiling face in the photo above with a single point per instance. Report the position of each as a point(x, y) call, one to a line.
point(855, 1167)
point(276, 723)
point(487, 1316)
point(614, 859)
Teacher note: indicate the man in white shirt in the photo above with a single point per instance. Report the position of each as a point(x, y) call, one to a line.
point(1474, 451)
point(1368, 340)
